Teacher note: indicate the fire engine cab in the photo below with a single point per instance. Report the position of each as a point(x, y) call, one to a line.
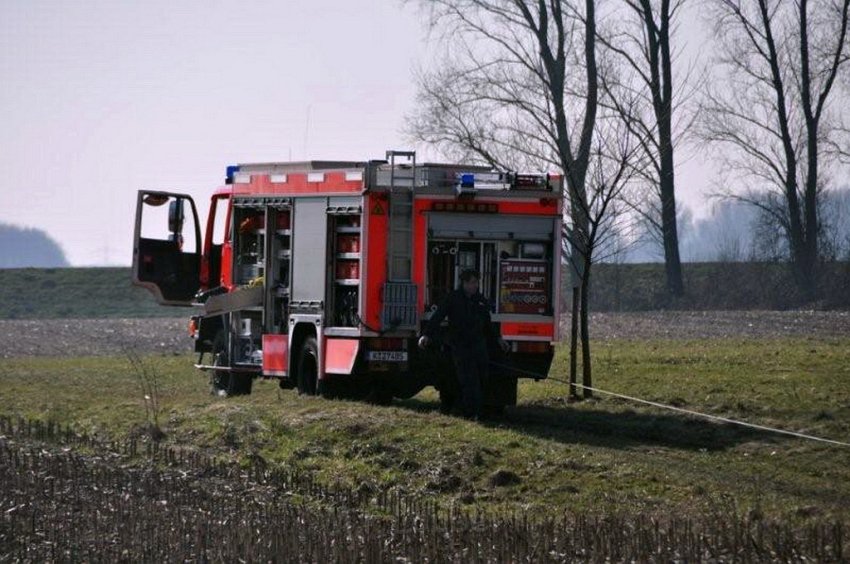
point(321, 274)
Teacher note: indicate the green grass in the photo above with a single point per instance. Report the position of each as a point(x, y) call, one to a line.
point(601, 455)
point(42, 293)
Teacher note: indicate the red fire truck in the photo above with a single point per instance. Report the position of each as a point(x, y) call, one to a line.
point(321, 274)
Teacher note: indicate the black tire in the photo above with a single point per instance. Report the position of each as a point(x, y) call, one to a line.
point(380, 394)
point(241, 384)
point(285, 384)
point(335, 386)
point(224, 382)
point(493, 412)
point(447, 401)
point(220, 379)
point(379, 390)
point(308, 367)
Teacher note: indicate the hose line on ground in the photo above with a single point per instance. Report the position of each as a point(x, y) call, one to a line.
point(539, 376)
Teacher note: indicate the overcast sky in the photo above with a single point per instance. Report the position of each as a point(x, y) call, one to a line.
point(101, 98)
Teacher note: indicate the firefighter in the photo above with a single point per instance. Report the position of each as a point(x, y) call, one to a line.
point(470, 327)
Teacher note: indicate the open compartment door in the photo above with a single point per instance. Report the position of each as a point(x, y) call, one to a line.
point(165, 261)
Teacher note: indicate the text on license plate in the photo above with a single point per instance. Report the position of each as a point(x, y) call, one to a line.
point(387, 356)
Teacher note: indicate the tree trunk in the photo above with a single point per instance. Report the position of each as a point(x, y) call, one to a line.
point(670, 230)
point(801, 265)
point(662, 87)
point(811, 229)
point(586, 368)
point(573, 343)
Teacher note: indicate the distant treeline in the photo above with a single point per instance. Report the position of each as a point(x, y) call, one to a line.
point(738, 231)
point(23, 246)
point(714, 286)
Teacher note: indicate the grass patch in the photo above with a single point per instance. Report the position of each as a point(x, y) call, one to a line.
point(603, 455)
point(52, 293)
point(712, 286)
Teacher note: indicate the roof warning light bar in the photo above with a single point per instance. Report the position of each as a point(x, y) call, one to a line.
point(470, 182)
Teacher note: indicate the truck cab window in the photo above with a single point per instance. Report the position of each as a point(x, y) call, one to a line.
point(167, 245)
point(169, 218)
point(219, 219)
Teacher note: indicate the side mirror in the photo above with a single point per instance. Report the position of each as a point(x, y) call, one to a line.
point(175, 216)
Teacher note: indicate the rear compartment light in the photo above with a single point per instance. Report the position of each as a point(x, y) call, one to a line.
point(537, 347)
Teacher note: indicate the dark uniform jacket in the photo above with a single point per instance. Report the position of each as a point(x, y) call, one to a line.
point(469, 319)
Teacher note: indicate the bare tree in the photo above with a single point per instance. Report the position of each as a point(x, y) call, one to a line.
point(616, 160)
point(520, 89)
point(642, 39)
point(769, 241)
point(834, 214)
point(777, 118)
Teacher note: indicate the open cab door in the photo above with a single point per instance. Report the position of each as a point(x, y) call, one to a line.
point(164, 261)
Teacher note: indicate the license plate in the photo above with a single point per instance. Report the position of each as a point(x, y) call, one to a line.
point(387, 356)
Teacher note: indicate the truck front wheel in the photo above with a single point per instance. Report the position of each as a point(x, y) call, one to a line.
point(226, 382)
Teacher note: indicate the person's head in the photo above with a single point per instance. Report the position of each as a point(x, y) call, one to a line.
point(469, 281)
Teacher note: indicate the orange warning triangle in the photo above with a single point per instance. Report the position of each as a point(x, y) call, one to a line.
point(377, 209)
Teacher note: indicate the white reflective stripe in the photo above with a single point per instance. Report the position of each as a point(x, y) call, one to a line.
point(316, 177)
point(242, 179)
point(357, 175)
point(277, 178)
point(511, 337)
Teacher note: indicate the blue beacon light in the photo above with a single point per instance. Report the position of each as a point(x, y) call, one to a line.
point(231, 172)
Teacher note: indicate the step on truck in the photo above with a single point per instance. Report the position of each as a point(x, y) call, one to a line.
point(321, 274)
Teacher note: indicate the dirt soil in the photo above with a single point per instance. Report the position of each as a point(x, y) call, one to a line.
point(97, 337)
point(93, 337)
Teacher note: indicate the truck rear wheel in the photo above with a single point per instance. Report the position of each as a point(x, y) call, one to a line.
point(308, 367)
point(225, 382)
point(381, 396)
point(447, 401)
